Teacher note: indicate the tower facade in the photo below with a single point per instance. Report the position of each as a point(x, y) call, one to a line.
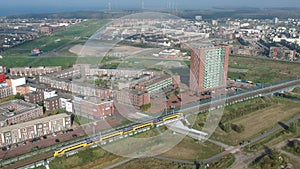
point(208, 68)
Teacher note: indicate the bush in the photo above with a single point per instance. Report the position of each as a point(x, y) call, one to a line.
point(237, 128)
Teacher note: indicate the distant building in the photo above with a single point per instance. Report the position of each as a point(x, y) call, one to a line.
point(16, 82)
point(18, 111)
point(93, 107)
point(214, 22)
point(35, 71)
point(282, 53)
point(198, 18)
point(275, 20)
point(5, 91)
point(34, 129)
point(209, 66)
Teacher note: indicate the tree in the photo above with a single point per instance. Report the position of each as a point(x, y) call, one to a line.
point(19, 96)
point(293, 127)
point(145, 107)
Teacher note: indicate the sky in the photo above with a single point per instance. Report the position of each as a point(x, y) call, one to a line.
point(11, 7)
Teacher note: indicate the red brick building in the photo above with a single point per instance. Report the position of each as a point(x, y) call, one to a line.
point(93, 107)
point(52, 103)
point(133, 97)
point(23, 89)
point(208, 68)
point(34, 97)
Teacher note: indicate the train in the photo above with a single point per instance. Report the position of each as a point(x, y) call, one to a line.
point(96, 140)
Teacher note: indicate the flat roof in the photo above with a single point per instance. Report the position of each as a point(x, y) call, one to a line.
point(22, 107)
point(154, 80)
point(32, 122)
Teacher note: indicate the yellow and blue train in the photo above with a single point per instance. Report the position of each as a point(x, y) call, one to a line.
point(123, 131)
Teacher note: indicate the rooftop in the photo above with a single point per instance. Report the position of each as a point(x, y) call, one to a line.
point(15, 107)
point(32, 122)
point(154, 80)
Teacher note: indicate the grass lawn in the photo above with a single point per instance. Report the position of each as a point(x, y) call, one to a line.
point(85, 159)
point(191, 149)
point(259, 121)
point(82, 120)
point(187, 149)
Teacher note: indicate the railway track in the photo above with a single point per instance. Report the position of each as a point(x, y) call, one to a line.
point(201, 105)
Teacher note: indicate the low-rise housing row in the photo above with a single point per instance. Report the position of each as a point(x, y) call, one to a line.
point(18, 111)
point(34, 129)
point(33, 71)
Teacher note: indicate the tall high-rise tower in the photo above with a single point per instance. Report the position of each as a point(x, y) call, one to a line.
point(208, 69)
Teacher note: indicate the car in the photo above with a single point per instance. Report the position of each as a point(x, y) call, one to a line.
point(35, 140)
point(74, 135)
point(57, 140)
point(69, 130)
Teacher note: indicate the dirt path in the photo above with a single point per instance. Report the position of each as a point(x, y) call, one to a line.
point(243, 159)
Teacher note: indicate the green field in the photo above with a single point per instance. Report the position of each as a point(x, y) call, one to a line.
point(265, 118)
point(55, 47)
point(191, 150)
point(263, 70)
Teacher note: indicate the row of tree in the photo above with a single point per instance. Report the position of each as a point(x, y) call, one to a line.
point(228, 127)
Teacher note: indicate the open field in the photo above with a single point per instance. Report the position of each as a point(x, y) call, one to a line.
point(43, 61)
point(259, 121)
point(187, 149)
point(75, 34)
point(85, 159)
point(55, 47)
point(222, 163)
point(152, 163)
point(191, 149)
point(263, 70)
